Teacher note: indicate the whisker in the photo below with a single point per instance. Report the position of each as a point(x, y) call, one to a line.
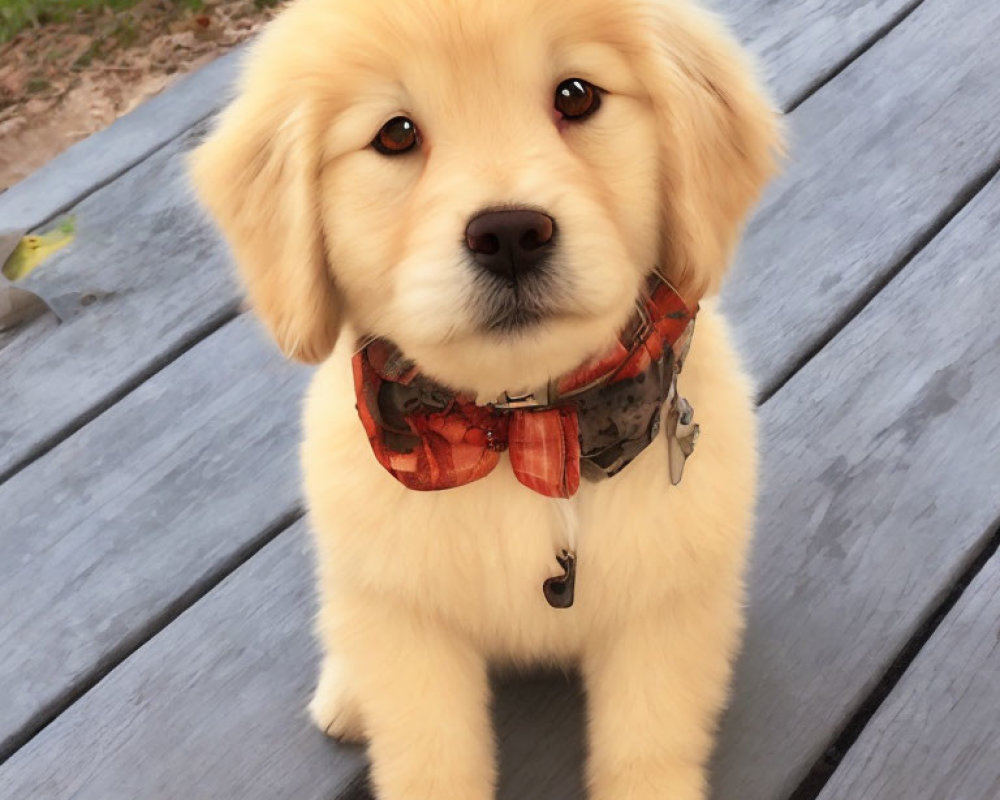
point(659, 274)
point(364, 343)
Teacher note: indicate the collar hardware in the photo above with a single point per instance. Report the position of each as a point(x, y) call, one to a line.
point(509, 402)
point(592, 422)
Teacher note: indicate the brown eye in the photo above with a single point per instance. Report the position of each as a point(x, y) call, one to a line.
point(397, 136)
point(577, 99)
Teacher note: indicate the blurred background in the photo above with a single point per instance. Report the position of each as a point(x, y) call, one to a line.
point(69, 67)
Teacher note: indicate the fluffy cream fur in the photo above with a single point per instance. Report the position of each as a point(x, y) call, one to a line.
point(421, 591)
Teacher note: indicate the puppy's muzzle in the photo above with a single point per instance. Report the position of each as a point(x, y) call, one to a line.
point(512, 243)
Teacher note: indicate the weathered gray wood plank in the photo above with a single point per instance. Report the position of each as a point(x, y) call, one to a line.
point(878, 156)
point(212, 708)
point(798, 43)
point(876, 491)
point(874, 461)
point(145, 274)
point(938, 734)
point(100, 158)
point(112, 528)
point(141, 238)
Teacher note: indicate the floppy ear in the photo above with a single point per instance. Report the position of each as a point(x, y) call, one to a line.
point(721, 138)
point(258, 174)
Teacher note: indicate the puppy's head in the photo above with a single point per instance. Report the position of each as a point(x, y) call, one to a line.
point(485, 183)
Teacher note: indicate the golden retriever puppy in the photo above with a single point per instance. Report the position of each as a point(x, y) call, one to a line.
point(465, 210)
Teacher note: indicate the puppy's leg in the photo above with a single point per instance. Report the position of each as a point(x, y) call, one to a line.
point(424, 697)
point(655, 689)
point(334, 707)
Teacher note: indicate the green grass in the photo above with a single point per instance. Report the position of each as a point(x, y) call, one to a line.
point(16, 15)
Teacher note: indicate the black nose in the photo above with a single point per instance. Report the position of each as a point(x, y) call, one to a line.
point(510, 243)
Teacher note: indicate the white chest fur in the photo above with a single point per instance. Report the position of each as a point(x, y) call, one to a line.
point(475, 557)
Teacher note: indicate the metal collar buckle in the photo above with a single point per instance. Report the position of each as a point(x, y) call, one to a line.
point(546, 395)
point(508, 402)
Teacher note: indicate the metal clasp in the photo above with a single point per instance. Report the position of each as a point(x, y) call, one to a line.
point(508, 402)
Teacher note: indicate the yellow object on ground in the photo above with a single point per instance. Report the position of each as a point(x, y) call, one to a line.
point(34, 249)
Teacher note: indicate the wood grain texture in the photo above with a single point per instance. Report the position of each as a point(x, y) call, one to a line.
point(162, 276)
point(878, 156)
point(110, 530)
point(878, 484)
point(798, 43)
point(212, 708)
point(936, 736)
point(144, 275)
point(100, 158)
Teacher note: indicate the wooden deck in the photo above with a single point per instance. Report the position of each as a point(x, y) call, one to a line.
point(155, 583)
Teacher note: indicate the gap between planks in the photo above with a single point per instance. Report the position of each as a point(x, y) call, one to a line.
point(969, 191)
point(822, 771)
point(126, 647)
point(212, 325)
point(880, 33)
point(824, 767)
point(115, 174)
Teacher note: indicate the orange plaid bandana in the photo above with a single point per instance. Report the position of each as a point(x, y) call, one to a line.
point(594, 422)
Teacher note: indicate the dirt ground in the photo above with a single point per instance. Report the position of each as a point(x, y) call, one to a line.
point(61, 82)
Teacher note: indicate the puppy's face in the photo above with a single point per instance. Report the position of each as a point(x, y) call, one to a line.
point(504, 240)
point(486, 184)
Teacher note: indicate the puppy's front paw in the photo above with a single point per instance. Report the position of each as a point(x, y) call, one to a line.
point(334, 709)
